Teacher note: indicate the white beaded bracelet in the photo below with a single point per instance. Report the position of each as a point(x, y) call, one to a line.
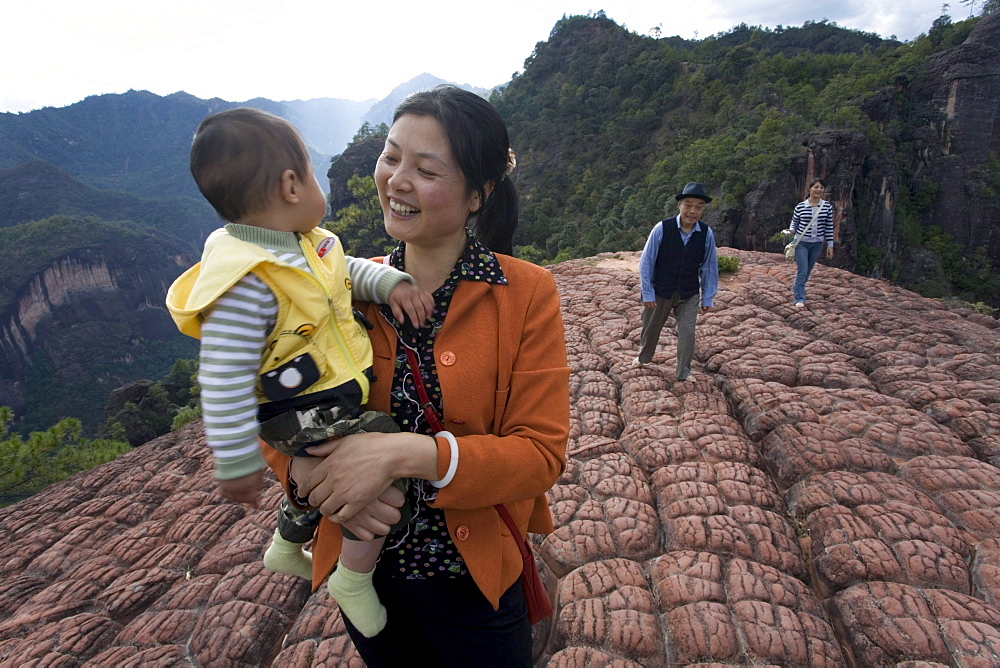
point(453, 465)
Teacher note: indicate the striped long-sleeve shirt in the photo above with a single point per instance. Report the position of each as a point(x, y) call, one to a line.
point(233, 335)
point(822, 230)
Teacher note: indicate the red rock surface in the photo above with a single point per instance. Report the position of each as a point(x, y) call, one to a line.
point(825, 493)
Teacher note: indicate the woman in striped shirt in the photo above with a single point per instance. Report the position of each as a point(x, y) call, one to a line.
point(815, 236)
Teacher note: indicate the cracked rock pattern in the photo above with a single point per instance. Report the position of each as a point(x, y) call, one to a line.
point(825, 491)
point(896, 622)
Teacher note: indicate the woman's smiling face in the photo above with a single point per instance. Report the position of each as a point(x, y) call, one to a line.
point(424, 197)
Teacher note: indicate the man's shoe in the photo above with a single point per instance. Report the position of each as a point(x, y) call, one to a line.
point(637, 363)
point(800, 304)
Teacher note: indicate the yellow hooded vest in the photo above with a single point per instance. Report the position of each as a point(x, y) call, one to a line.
point(316, 337)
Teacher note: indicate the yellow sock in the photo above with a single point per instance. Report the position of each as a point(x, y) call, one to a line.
point(356, 596)
point(285, 557)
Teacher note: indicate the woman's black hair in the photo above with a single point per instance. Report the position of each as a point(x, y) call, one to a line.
point(817, 180)
point(479, 142)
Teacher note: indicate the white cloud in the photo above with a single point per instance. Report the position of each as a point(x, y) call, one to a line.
point(59, 52)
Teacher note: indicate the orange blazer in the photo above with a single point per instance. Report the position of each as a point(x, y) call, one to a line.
point(501, 361)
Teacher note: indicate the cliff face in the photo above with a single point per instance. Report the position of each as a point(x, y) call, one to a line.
point(47, 292)
point(952, 153)
point(86, 324)
point(842, 160)
point(55, 287)
point(963, 89)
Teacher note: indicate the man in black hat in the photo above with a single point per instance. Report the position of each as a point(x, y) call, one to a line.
point(677, 263)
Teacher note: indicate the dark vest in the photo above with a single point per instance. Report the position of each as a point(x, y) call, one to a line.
point(677, 264)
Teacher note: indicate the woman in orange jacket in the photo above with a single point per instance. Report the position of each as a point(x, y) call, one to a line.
point(492, 361)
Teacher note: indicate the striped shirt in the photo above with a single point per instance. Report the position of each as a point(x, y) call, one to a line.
point(233, 335)
point(822, 230)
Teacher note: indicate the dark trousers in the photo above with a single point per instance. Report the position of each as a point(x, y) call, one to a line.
point(445, 622)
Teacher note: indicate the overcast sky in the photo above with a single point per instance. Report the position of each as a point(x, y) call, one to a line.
point(56, 52)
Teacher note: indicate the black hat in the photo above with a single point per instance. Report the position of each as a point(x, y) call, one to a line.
point(694, 189)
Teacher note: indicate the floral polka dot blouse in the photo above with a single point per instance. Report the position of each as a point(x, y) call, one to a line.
point(423, 548)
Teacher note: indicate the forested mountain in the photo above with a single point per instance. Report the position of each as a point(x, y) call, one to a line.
point(138, 142)
point(98, 214)
point(82, 305)
point(134, 142)
point(38, 189)
point(608, 126)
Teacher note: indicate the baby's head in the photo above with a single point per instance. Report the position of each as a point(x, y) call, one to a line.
point(238, 157)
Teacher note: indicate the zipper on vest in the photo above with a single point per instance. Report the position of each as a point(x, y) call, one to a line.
point(338, 336)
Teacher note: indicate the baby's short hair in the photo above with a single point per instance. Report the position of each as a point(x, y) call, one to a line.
point(238, 156)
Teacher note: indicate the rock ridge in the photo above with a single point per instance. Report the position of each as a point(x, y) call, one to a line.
point(825, 493)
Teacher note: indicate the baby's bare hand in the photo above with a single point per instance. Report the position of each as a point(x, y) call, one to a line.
point(415, 303)
point(242, 490)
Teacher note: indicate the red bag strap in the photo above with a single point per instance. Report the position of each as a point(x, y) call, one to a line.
point(509, 521)
point(434, 420)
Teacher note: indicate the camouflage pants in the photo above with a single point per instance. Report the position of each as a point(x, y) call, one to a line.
point(293, 431)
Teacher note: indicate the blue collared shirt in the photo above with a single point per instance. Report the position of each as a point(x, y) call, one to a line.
point(708, 273)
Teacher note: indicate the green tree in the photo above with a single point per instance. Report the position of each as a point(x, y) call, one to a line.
point(184, 416)
point(360, 225)
point(181, 384)
point(367, 130)
point(113, 430)
point(530, 254)
point(45, 457)
point(358, 158)
point(728, 264)
point(986, 6)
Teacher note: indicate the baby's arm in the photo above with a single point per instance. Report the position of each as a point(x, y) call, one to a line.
point(242, 490)
point(416, 303)
point(232, 338)
point(382, 284)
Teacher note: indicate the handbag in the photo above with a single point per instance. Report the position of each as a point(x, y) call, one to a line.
point(535, 595)
point(790, 248)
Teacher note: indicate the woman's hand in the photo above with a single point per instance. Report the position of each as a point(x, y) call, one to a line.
point(355, 470)
point(374, 519)
point(377, 518)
